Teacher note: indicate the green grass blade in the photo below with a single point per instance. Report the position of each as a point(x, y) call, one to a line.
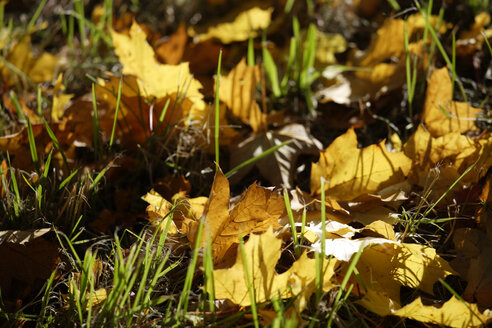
point(271, 69)
point(115, 121)
point(35, 16)
point(217, 113)
point(251, 52)
point(32, 145)
point(56, 143)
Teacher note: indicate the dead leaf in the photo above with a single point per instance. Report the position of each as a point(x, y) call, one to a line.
point(351, 172)
point(441, 114)
point(60, 99)
point(257, 209)
point(474, 252)
point(453, 313)
point(38, 69)
point(27, 259)
point(237, 91)
point(171, 50)
point(385, 268)
point(241, 27)
point(182, 211)
point(473, 39)
point(339, 241)
point(279, 170)
point(262, 253)
point(452, 153)
point(154, 79)
point(327, 45)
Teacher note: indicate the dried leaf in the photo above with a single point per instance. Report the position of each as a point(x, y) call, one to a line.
point(39, 69)
point(453, 313)
point(60, 99)
point(453, 153)
point(279, 167)
point(154, 79)
point(351, 172)
point(245, 25)
point(171, 51)
point(237, 91)
point(442, 115)
point(183, 212)
point(262, 253)
point(27, 259)
point(473, 39)
point(257, 209)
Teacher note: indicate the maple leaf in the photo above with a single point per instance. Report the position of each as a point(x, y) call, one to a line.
point(240, 27)
point(60, 99)
point(27, 259)
point(38, 69)
point(441, 115)
point(237, 91)
point(280, 169)
point(184, 211)
point(473, 39)
point(155, 79)
point(474, 252)
point(453, 313)
point(262, 253)
point(383, 60)
point(351, 172)
point(453, 153)
point(257, 209)
point(171, 51)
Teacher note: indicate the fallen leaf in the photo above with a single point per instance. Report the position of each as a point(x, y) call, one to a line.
point(442, 115)
point(262, 253)
point(473, 39)
point(327, 45)
point(257, 209)
point(351, 172)
point(453, 313)
point(60, 99)
point(474, 252)
point(279, 167)
point(171, 50)
point(386, 267)
point(339, 240)
point(237, 91)
point(27, 259)
point(154, 79)
point(452, 154)
point(241, 27)
point(38, 69)
point(182, 211)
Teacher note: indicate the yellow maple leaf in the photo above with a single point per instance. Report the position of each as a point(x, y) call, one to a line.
point(60, 99)
point(20, 57)
point(243, 26)
point(453, 313)
point(386, 267)
point(155, 79)
point(262, 253)
point(388, 44)
point(184, 211)
point(473, 39)
point(441, 114)
point(257, 209)
point(237, 91)
point(453, 153)
point(350, 172)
